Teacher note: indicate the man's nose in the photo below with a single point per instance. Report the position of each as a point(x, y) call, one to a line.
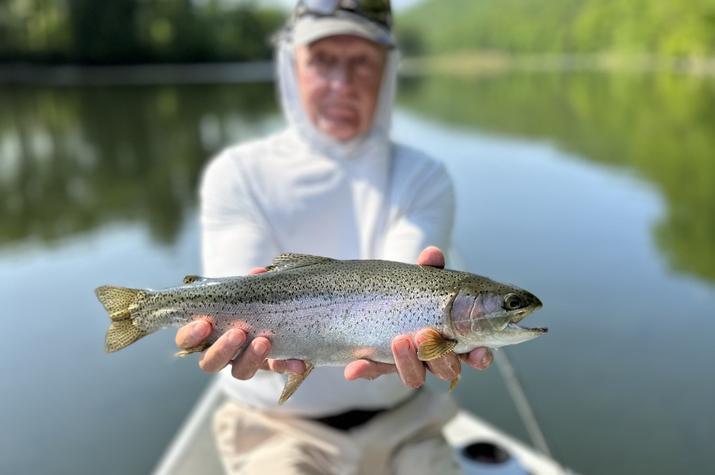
point(341, 77)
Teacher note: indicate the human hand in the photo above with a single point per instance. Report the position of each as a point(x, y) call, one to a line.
point(223, 351)
point(404, 350)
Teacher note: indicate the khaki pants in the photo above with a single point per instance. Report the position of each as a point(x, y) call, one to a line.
point(405, 440)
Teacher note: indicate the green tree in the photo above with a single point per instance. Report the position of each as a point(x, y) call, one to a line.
point(104, 30)
point(657, 27)
point(135, 31)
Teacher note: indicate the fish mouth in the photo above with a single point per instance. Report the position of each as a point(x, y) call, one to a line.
point(522, 313)
point(515, 326)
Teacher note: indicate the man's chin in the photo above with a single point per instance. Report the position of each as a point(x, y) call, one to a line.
point(342, 131)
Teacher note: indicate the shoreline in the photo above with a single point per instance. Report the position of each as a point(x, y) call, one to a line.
point(140, 74)
point(468, 63)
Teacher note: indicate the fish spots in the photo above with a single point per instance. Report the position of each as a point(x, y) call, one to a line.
point(207, 318)
point(266, 332)
point(363, 353)
point(241, 325)
point(326, 310)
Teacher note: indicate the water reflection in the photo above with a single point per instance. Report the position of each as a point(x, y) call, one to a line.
point(660, 126)
point(75, 158)
point(72, 159)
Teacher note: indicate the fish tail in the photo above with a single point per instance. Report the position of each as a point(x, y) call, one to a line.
point(119, 303)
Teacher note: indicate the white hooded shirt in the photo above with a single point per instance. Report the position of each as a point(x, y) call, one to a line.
point(299, 191)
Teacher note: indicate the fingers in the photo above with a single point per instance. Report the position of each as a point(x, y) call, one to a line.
point(478, 358)
point(251, 359)
point(364, 369)
point(410, 368)
point(257, 270)
point(218, 355)
point(446, 368)
point(431, 256)
point(285, 366)
point(193, 334)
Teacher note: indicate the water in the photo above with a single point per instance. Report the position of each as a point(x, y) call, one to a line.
point(595, 191)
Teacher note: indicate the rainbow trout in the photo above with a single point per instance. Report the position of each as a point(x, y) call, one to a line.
point(329, 312)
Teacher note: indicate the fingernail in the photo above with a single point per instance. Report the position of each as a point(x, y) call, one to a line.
point(261, 347)
point(236, 338)
point(294, 366)
point(402, 347)
point(453, 369)
point(197, 330)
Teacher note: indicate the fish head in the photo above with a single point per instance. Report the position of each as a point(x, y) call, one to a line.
point(489, 311)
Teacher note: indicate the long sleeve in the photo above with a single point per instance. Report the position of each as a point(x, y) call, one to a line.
point(274, 195)
point(235, 236)
point(424, 216)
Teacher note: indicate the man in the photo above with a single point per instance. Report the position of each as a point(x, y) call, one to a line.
point(332, 184)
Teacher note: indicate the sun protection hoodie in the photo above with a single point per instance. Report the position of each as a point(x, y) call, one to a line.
point(302, 191)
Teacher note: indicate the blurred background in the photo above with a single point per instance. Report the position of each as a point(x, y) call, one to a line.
point(580, 136)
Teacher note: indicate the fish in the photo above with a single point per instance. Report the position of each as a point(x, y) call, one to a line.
point(328, 312)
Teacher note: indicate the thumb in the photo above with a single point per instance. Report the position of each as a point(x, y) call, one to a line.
point(431, 256)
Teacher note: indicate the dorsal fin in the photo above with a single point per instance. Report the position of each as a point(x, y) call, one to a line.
point(192, 279)
point(291, 261)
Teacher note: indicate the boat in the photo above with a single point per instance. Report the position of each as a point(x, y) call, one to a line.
point(480, 447)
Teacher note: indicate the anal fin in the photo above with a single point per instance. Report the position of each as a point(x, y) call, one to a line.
point(434, 345)
point(294, 381)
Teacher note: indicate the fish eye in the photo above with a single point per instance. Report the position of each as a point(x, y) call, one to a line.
point(512, 302)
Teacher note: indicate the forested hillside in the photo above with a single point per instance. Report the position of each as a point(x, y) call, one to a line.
point(136, 31)
point(684, 28)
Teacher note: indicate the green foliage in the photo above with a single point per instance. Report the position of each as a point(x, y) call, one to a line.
point(660, 126)
point(658, 27)
point(135, 31)
point(103, 29)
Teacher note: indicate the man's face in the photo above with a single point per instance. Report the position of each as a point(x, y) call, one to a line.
point(339, 79)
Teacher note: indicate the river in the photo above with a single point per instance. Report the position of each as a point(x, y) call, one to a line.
point(595, 191)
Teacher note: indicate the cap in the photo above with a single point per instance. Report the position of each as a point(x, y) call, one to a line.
point(309, 28)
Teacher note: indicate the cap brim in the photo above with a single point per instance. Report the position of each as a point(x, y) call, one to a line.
point(309, 29)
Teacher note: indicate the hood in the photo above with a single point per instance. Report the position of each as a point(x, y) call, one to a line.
point(376, 140)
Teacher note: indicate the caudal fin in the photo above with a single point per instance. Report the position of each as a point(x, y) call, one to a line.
point(119, 303)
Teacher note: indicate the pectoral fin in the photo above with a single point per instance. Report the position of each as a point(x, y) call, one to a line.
point(434, 345)
point(294, 380)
